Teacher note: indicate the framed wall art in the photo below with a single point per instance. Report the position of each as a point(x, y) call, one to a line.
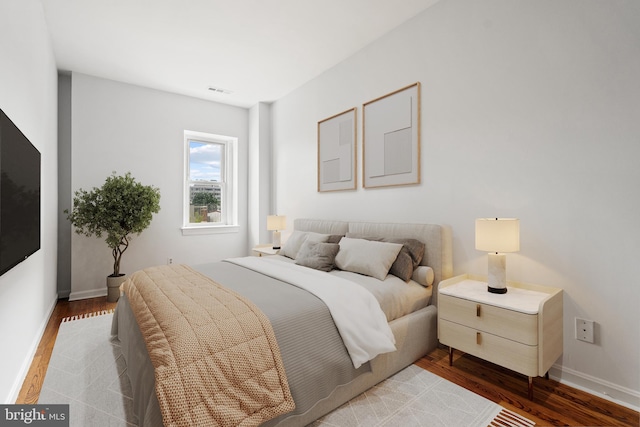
point(337, 152)
point(391, 139)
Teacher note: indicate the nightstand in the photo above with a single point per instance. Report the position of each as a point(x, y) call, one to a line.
point(264, 250)
point(520, 330)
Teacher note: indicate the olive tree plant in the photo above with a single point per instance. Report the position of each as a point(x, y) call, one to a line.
point(119, 209)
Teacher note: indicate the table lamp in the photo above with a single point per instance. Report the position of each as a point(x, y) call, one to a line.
point(276, 223)
point(497, 236)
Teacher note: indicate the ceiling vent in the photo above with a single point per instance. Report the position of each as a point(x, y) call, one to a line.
point(219, 90)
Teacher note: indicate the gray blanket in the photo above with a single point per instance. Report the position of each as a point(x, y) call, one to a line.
point(314, 357)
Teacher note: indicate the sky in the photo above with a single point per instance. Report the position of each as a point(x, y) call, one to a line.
point(204, 161)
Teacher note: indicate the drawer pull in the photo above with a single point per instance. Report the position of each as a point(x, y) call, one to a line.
point(477, 310)
point(478, 338)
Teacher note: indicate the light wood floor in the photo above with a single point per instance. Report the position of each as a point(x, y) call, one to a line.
point(554, 404)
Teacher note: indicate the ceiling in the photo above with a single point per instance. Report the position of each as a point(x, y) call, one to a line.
point(258, 50)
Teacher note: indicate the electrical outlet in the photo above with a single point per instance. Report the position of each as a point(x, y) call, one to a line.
point(584, 330)
point(169, 260)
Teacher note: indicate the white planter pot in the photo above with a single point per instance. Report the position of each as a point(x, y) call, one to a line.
point(113, 287)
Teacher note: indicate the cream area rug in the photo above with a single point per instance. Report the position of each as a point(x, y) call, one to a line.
point(415, 397)
point(87, 372)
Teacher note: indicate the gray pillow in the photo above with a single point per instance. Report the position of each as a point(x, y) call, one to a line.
point(318, 255)
point(297, 238)
point(334, 238)
point(407, 260)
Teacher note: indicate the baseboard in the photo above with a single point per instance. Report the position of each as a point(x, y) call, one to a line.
point(91, 293)
point(596, 386)
point(24, 369)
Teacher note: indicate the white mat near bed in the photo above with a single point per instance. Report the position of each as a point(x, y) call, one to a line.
point(86, 371)
point(415, 397)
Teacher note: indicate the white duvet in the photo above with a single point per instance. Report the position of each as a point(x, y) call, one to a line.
point(356, 312)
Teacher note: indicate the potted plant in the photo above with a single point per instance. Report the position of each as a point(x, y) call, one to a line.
point(119, 209)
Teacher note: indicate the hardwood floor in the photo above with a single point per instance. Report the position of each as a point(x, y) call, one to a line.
point(554, 404)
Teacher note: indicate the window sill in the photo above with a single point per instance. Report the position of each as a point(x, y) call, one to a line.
point(209, 229)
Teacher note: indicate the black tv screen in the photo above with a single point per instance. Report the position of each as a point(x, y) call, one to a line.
point(19, 196)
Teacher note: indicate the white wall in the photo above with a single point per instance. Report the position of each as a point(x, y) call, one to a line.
point(260, 175)
point(529, 110)
point(28, 95)
point(124, 128)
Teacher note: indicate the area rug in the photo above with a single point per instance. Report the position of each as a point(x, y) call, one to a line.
point(87, 372)
point(415, 397)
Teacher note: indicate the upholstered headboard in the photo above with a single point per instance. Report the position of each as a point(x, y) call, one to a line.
point(437, 239)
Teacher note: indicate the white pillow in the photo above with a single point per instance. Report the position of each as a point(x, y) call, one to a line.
point(297, 238)
point(367, 257)
point(423, 275)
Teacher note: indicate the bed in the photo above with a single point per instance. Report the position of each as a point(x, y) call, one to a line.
point(323, 371)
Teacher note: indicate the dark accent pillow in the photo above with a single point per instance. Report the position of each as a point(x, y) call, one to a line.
point(407, 260)
point(318, 255)
point(335, 238)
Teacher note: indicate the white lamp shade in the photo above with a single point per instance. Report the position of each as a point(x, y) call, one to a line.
point(276, 222)
point(498, 234)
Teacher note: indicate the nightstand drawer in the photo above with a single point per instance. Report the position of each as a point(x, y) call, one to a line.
point(516, 356)
point(509, 324)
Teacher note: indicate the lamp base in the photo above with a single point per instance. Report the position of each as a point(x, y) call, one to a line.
point(276, 239)
point(497, 279)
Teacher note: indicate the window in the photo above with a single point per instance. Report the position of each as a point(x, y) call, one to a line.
point(210, 183)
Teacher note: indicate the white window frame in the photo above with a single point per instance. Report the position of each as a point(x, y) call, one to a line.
point(229, 185)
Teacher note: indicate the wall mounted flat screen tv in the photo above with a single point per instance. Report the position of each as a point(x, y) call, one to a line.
point(19, 196)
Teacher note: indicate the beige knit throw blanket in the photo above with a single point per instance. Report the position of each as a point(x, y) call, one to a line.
point(216, 359)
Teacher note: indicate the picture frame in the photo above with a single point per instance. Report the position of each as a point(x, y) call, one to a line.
point(337, 155)
point(391, 139)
